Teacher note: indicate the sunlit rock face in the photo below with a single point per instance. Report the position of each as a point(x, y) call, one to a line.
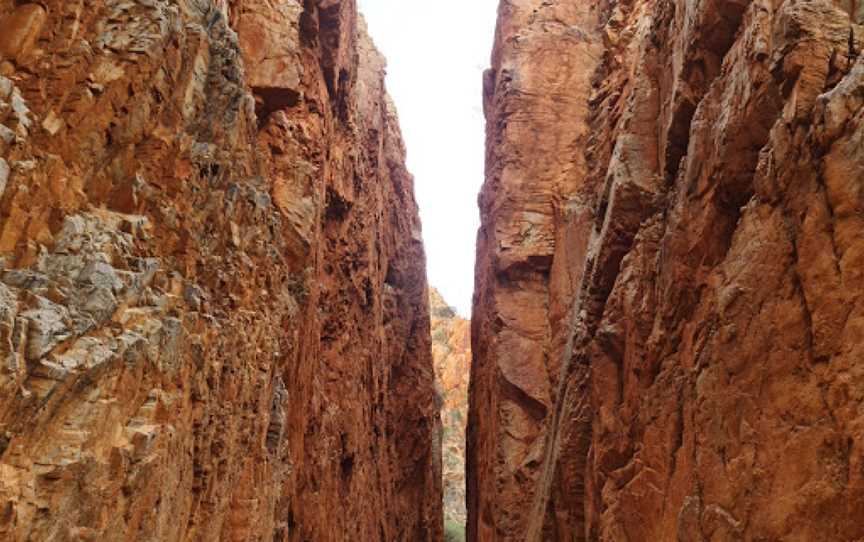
point(451, 353)
point(214, 321)
point(667, 323)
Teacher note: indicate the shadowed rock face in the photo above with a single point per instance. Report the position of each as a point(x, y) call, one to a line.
point(667, 323)
point(214, 322)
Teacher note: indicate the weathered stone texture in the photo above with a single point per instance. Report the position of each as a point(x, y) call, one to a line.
point(213, 312)
point(692, 296)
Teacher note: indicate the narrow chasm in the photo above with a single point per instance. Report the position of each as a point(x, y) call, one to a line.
point(221, 318)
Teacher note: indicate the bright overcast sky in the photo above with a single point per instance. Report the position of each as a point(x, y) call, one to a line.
point(436, 53)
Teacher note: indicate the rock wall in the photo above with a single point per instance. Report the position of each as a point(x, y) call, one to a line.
point(451, 354)
point(214, 322)
point(667, 326)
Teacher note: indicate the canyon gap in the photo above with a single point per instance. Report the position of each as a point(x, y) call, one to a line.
point(213, 307)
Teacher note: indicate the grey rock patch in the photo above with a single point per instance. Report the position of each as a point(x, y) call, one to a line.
point(4, 176)
point(47, 328)
point(101, 303)
point(102, 275)
point(6, 135)
point(6, 87)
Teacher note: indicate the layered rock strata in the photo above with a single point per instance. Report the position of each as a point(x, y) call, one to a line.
point(667, 321)
point(213, 305)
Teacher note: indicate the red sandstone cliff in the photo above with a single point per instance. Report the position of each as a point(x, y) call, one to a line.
point(213, 311)
point(667, 322)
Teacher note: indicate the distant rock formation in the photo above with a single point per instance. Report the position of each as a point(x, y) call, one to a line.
point(451, 353)
point(667, 328)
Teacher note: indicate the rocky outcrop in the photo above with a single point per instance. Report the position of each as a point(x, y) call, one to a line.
point(666, 326)
point(451, 354)
point(543, 64)
point(213, 311)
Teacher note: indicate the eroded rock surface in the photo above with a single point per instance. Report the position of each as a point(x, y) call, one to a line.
point(667, 327)
point(213, 312)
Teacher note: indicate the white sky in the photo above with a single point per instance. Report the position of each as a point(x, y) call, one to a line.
point(436, 53)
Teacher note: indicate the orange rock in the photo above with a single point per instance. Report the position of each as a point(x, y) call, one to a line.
point(698, 322)
point(528, 203)
point(20, 29)
point(214, 322)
